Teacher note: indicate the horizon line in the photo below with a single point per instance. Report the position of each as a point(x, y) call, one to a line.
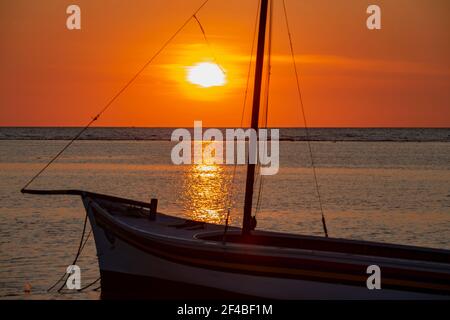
point(229, 127)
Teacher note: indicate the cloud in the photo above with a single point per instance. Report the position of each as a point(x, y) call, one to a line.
point(191, 52)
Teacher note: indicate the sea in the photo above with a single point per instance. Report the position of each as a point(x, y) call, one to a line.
point(381, 184)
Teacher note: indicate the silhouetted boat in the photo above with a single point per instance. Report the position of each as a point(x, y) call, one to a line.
point(145, 253)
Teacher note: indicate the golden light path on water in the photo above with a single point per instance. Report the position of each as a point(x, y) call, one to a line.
point(205, 191)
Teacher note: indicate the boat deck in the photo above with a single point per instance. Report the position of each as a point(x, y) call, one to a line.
point(177, 228)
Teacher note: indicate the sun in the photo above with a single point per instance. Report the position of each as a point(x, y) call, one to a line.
point(206, 74)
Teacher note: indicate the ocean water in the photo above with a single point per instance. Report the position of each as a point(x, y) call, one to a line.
point(286, 134)
point(388, 185)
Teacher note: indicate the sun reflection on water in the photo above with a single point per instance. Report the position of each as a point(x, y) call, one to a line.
point(205, 192)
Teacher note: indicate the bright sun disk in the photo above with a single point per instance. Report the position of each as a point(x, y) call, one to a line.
point(206, 74)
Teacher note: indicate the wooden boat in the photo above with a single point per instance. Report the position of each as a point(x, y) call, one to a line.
point(145, 253)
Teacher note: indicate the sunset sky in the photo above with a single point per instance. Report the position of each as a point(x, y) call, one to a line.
point(398, 76)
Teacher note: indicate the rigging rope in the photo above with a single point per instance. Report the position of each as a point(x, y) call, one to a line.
point(304, 120)
point(208, 44)
point(114, 98)
point(77, 255)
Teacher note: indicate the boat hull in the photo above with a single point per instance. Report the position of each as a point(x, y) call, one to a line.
point(129, 270)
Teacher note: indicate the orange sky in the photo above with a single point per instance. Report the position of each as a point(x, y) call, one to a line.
point(396, 77)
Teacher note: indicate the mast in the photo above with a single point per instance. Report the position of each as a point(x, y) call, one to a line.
point(247, 220)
